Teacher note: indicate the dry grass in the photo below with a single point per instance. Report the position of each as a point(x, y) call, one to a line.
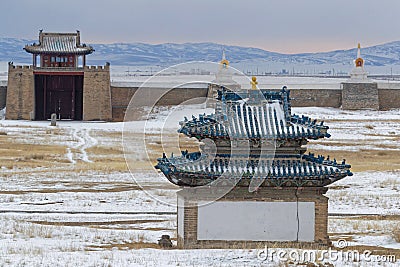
point(396, 233)
point(105, 151)
point(390, 183)
point(32, 231)
point(99, 223)
point(15, 153)
point(74, 190)
point(122, 246)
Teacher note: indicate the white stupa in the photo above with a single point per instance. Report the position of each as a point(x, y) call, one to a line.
point(359, 92)
point(223, 77)
point(225, 74)
point(358, 74)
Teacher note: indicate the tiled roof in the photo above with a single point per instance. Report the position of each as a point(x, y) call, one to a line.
point(59, 43)
point(261, 117)
point(277, 171)
point(244, 120)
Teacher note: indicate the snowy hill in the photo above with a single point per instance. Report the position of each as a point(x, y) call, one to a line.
point(163, 55)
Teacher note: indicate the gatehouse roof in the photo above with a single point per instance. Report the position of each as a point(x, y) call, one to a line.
point(59, 43)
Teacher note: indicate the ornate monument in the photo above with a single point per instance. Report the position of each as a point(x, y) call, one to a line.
point(252, 182)
point(358, 74)
point(359, 92)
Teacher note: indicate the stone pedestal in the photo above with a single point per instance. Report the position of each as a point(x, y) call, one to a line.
point(241, 219)
point(360, 95)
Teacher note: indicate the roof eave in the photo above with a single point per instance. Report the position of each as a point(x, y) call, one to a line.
point(36, 51)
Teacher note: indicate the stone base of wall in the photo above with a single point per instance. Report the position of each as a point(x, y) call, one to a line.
point(360, 96)
point(190, 199)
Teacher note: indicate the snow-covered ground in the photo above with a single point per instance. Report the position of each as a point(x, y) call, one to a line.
point(67, 198)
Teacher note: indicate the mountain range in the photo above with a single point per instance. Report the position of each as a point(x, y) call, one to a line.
point(163, 55)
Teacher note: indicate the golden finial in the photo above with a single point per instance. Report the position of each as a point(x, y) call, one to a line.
point(224, 62)
point(254, 83)
point(359, 46)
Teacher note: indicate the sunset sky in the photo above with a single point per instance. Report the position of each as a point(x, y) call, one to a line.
point(286, 26)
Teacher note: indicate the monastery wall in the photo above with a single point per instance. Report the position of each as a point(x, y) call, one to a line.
point(360, 96)
point(316, 97)
point(300, 97)
point(20, 93)
point(389, 99)
point(120, 97)
point(96, 93)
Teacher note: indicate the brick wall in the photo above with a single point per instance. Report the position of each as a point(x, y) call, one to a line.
point(389, 99)
point(301, 98)
point(103, 103)
point(96, 93)
point(360, 96)
point(20, 92)
point(316, 98)
point(121, 96)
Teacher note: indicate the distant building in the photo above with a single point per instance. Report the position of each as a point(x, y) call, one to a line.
point(58, 81)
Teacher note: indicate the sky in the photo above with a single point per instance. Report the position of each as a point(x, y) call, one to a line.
point(285, 26)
